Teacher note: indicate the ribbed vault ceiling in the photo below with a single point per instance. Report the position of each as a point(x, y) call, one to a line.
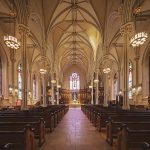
point(76, 35)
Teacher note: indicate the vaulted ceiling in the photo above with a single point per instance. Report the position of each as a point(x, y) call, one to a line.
point(70, 32)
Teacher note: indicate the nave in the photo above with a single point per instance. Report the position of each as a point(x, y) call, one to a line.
point(75, 132)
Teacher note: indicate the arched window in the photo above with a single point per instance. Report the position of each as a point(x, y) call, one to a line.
point(34, 87)
point(74, 81)
point(19, 81)
point(115, 86)
point(0, 76)
point(130, 80)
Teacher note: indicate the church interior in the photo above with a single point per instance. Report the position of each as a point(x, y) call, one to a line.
point(74, 74)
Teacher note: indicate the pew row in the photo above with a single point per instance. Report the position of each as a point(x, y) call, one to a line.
point(132, 139)
point(37, 127)
point(22, 139)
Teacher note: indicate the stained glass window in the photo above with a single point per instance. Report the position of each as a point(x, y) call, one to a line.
point(34, 87)
point(0, 76)
point(19, 81)
point(130, 80)
point(74, 81)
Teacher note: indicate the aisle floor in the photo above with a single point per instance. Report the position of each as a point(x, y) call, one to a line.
point(75, 132)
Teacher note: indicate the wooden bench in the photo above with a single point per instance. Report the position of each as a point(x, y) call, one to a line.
point(49, 119)
point(37, 127)
point(24, 139)
point(130, 139)
point(113, 128)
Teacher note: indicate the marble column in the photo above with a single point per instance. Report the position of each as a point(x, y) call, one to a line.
point(44, 90)
point(105, 90)
point(23, 30)
point(12, 58)
point(53, 81)
point(96, 87)
point(137, 57)
point(57, 95)
point(138, 96)
point(125, 31)
point(92, 100)
point(52, 96)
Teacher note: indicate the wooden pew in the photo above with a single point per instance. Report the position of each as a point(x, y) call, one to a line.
point(130, 139)
point(52, 114)
point(24, 139)
point(113, 128)
point(49, 119)
point(37, 127)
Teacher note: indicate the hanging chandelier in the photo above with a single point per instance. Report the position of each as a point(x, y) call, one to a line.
point(53, 81)
point(106, 70)
point(138, 39)
point(59, 86)
point(96, 80)
point(12, 42)
point(9, 40)
point(43, 71)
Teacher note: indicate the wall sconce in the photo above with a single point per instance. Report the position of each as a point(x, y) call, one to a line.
point(96, 80)
point(13, 91)
point(29, 94)
point(16, 91)
point(10, 90)
point(90, 86)
point(137, 90)
point(120, 92)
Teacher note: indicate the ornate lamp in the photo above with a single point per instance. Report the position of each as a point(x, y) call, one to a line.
point(138, 39)
point(43, 71)
point(96, 80)
point(106, 70)
point(12, 42)
point(9, 40)
point(90, 86)
point(58, 86)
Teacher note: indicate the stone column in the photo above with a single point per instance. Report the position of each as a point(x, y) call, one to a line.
point(57, 95)
point(96, 88)
point(137, 57)
point(52, 88)
point(44, 90)
point(12, 58)
point(105, 90)
point(30, 87)
point(23, 30)
point(138, 97)
point(92, 102)
point(52, 97)
point(125, 31)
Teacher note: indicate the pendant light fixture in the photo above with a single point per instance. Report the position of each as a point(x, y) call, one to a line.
point(141, 37)
point(10, 40)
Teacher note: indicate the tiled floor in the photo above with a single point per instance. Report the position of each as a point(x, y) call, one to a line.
point(75, 132)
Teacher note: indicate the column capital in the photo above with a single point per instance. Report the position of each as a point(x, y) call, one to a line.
point(23, 29)
point(127, 29)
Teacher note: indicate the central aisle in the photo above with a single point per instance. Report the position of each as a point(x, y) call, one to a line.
point(75, 132)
